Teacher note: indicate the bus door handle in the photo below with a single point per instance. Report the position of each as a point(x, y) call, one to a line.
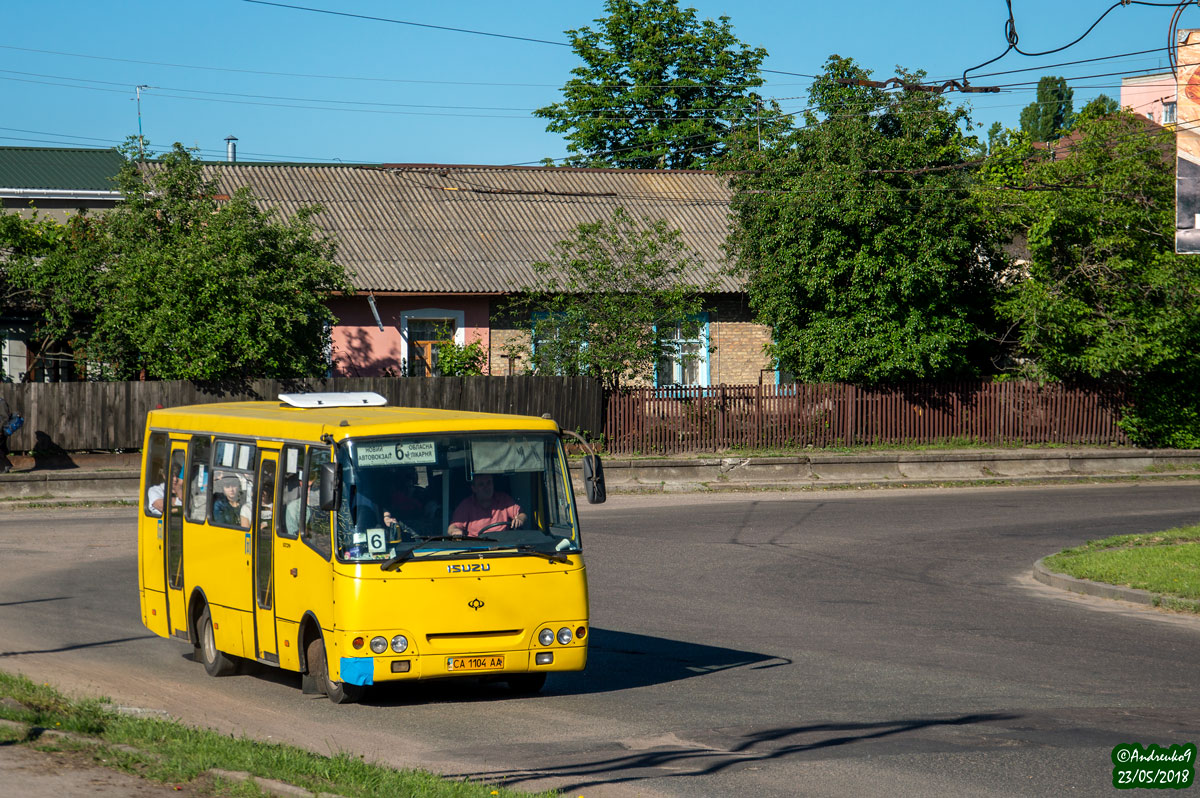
point(293, 572)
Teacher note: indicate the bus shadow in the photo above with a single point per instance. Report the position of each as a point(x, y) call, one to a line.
point(621, 660)
point(616, 661)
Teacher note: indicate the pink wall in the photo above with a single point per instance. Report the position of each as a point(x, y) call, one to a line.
point(361, 349)
point(1145, 95)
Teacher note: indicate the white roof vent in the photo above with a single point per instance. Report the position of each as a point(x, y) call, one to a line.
point(344, 399)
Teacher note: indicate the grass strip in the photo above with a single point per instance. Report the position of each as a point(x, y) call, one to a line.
point(175, 753)
point(1166, 562)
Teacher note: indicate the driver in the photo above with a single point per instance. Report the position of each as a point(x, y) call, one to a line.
point(483, 508)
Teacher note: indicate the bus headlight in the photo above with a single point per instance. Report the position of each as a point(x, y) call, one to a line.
point(545, 637)
point(399, 644)
point(379, 644)
point(564, 636)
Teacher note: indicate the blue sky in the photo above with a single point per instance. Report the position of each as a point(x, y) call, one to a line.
point(304, 86)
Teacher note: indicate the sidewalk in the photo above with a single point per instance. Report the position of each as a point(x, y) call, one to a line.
point(114, 477)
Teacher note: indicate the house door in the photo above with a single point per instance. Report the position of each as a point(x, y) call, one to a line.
point(263, 548)
point(424, 336)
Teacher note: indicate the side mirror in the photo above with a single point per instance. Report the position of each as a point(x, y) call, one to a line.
point(331, 491)
point(593, 479)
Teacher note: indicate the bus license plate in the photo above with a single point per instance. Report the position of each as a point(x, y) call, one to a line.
point(474, 663)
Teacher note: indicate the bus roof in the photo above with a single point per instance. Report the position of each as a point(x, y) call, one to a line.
point(273, 420)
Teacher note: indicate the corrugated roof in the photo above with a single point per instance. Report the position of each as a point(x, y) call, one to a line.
point(59, 169)
point(478, 229)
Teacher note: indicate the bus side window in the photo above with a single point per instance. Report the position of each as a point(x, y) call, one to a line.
point(197, 488)
point(316, 529)
point(288, 525)
point(156, 476)
point(233, 489)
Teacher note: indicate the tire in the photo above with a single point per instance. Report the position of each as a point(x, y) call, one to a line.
point(526, 683)
point(215, 662)
point(338, 692)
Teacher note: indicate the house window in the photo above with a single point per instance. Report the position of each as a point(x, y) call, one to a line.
point(688, 362)
point(422, 331)
point(546, 328)
point(1168, 113)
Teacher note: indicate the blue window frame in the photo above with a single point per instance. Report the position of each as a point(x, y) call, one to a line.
point(688, 365)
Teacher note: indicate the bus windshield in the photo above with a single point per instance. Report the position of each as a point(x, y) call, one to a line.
point(442, 495)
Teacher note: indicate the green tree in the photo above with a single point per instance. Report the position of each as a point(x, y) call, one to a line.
point(1052, 113)
point(996, 136)
point(50, 273)
point(660, 88)
point(459, 360)
point(858, 240)
point(1104, 297)
point(1101, 105)
point(608, 301)
point(203, 289)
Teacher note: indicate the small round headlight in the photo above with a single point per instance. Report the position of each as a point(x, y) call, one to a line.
point(545, 637)
point(399, 644)
point(564, 635)
point(379, 644)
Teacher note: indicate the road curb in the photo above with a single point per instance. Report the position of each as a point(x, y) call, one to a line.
point(1089, 588)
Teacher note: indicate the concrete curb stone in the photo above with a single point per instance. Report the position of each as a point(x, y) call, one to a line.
point(97, 479)
point(1089, 588)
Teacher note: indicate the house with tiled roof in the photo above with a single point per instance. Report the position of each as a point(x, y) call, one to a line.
point(431, 246)
point(59, 182)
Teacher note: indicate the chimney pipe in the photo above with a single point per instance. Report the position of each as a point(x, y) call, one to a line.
point(231, 148)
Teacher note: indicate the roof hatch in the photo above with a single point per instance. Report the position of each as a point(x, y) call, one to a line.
point(343, 399)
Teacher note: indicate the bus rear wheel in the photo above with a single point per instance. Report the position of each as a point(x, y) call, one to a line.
point(215, 662)
point(318, 669)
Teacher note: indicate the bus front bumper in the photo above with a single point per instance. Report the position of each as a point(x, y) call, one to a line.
point(500, 664)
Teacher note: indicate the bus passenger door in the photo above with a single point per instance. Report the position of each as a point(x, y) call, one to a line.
point(303, 577)
point(264, 567)
point(173, 550)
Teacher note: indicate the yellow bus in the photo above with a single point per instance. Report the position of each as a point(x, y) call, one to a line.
point(357, 543)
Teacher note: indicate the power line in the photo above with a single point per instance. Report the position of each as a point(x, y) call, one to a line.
point(1010, 31)
point(413, 24)
point(277, 74)
point(462, 30)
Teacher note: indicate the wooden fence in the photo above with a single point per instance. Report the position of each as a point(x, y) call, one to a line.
point(673, 420)
point(107, 416)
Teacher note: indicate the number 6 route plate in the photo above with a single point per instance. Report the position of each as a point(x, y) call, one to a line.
point(474, 663)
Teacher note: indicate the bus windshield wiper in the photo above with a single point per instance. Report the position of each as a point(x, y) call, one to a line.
point(552, 556)
point(406, 553)
point(400, 556)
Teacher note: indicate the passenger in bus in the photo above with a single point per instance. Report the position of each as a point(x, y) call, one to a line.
point(227, 507)
point(266, 505)
point(291, 510)
point(154, 496)
point(484, 507)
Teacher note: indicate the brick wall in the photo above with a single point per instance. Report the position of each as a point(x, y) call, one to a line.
point(737, 356)
point(505, 333)
point(737, 342)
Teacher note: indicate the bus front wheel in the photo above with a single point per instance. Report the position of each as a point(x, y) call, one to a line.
point(338, 692)
point(215, 662)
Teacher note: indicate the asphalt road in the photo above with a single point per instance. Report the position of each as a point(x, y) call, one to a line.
point(835, 643)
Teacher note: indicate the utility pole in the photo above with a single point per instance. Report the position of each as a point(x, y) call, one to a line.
point(141, 148)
